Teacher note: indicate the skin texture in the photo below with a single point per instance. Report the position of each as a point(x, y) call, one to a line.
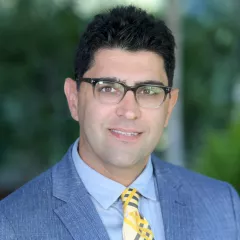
point(121, 159)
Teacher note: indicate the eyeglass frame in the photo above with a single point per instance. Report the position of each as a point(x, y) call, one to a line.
point(93, 81)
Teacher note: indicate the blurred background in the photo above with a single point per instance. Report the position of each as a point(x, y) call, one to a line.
point(38, 40)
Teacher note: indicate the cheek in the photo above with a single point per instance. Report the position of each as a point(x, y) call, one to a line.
point(93, 116)
point(156, 121)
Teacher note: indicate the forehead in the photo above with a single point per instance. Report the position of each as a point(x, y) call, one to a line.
point(128, 66)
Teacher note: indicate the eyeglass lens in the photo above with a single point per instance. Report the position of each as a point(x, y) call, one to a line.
point(112, 93)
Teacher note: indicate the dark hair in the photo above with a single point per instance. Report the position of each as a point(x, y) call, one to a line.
point(129, 28)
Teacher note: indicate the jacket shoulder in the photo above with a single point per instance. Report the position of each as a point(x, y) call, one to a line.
point(211, 198)
point(34, 190)
point(199, 187)
point(187, 176)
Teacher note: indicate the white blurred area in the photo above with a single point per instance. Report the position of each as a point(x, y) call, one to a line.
point(87, 8)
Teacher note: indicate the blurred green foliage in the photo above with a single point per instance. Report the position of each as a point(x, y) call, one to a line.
point(37, 45)
point(211, 92)
point(221, 155)
point(211, 75)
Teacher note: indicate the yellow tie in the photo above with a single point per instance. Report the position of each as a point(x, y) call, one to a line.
point(135, 226)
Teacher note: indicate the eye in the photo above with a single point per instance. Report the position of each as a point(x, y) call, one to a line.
point(150, 90)
point(107, 89)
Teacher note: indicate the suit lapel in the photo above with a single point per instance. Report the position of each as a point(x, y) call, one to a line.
point(82, 220)
point(175, 202)
point(76, 210)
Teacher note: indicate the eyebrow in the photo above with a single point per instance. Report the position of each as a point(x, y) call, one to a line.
point(153, 82)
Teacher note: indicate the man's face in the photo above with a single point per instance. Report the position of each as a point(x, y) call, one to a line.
point(120, 135)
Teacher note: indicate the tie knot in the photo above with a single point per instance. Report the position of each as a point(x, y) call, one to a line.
point(130, 198)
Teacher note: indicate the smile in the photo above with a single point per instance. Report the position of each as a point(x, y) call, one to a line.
point(125, 136)
point(125, 133)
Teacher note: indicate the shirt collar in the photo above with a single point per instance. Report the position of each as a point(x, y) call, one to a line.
point(106, 191)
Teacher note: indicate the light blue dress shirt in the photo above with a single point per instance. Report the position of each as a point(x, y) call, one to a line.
point(105, 194)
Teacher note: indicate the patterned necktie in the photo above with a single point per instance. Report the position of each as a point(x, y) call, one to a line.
point(135, 226)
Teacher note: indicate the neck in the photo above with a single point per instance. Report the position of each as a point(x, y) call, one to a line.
point(124, 176)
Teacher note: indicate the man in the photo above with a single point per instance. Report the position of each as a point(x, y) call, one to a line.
point(109, 185)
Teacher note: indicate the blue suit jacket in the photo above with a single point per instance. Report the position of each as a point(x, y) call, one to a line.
point(56, 206)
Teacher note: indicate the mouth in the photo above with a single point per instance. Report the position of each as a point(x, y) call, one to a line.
point(125, 135)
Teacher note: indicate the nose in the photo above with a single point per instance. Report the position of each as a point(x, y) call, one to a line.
point(128, 107)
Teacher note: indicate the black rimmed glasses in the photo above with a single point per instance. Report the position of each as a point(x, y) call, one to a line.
point(112, 92)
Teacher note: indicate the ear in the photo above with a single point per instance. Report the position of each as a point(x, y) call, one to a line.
point(172, 101)
point(71, 93)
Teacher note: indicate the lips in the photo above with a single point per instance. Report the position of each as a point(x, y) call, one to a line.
point(125, 135)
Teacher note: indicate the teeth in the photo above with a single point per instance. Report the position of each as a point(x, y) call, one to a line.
point(125, 133)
